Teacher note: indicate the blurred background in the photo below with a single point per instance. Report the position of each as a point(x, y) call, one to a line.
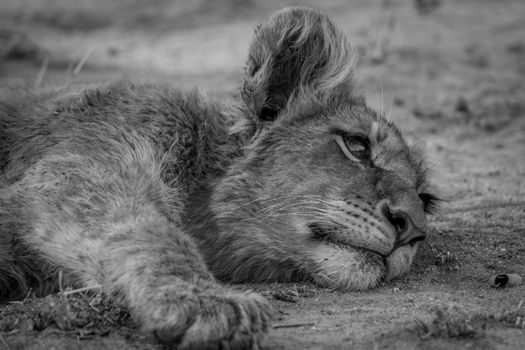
point(422, 43)
point(444, 70)
point(425, 52)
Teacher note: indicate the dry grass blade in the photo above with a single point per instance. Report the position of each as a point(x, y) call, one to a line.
point(4, 342)
point(60, 281)
point(385, 27)
point(80, 290)
point(42, 72)
point(82, 62)
point(28, 295)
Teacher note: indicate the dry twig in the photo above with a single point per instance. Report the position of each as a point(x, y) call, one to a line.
point(83, 289)
point(82, 62)
point(294, 325)
point(3, 341)
point(42, 72)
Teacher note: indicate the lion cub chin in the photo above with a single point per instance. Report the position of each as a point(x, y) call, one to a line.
point(153, 193)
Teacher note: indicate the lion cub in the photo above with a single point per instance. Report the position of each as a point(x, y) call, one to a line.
point(153, 192)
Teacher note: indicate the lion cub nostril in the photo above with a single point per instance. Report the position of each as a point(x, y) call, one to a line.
point(400, 224)
point(398, 220)
point(407, 233)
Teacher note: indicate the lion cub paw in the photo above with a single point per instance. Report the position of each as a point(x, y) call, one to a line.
point(229, 320)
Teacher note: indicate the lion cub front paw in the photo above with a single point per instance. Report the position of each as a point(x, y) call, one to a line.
point(229, 320)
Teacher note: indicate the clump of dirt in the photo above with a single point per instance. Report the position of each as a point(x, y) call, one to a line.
point(80, 314)
point(447, 324)
point(96, 15)
point(489, 108)
point(461, 324)
point(290, 294)
point(16, 45)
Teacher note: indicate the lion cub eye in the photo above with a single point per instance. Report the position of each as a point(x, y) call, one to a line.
point(354, 147)
point(430, 202)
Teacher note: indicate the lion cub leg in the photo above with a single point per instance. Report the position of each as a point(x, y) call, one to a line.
point(114, 230)
point(168, 288)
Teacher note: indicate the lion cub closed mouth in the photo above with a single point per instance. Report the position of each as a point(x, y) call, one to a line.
point(154, 193)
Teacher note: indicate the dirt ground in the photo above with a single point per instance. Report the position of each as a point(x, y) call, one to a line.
point(452, 76)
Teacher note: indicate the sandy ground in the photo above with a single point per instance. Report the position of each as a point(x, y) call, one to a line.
point(452, 77)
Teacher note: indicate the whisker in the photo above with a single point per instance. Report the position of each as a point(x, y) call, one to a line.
point(326, 277)
point(388, 117)
point(286, 206)
point(382, 94)
point(262, 200)
point(280, 212)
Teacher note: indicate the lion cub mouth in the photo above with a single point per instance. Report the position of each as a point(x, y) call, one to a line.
point(324, 232)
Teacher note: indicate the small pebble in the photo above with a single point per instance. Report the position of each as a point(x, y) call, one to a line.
point(289, 296)
point(462, 105)
point(505, 280)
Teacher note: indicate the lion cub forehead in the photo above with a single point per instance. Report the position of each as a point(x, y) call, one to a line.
point(365, 122)
point(385, 134)
point(389, 150)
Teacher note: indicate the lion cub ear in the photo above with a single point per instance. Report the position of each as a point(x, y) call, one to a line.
point(297, 54)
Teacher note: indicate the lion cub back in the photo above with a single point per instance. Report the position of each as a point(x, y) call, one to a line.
point(187, 129)
point(72, 152)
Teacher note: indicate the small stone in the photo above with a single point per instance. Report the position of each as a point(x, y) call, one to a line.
point(398, 101)
point(462, 106)
point(505, 280)
point(289, 296)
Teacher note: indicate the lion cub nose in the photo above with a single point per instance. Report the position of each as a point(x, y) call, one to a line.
point(407, 232)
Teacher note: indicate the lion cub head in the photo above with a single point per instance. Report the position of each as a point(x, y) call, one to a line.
point(327, 189)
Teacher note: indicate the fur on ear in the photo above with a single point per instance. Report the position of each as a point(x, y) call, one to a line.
point(297, 54)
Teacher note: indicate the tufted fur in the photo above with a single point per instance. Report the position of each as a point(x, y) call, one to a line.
point(154, 193)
